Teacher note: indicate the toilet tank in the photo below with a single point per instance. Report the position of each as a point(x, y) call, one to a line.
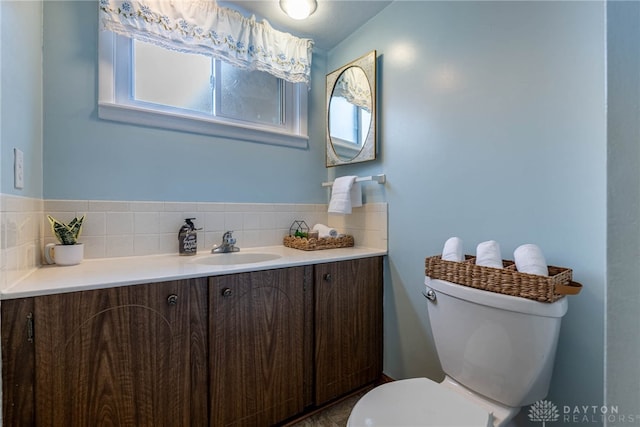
point(499, 346)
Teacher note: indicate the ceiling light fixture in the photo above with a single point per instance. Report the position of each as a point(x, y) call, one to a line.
point(298, 9)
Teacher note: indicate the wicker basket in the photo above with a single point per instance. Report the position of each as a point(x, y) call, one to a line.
point(507, 280)
point(314, 244)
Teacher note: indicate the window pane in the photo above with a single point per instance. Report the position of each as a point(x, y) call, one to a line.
point(176, 79)
point(249, 95)
point(364, 125)
point(343, 117)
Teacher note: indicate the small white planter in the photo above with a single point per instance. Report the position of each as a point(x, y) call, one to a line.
point(64, 254)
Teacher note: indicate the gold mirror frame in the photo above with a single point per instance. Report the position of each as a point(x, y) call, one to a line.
point(367, 151)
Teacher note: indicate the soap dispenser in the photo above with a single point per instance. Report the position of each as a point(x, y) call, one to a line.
point(188, 238)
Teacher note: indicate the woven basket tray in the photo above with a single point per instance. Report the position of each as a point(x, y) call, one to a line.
point(314, 244)
point(507, 281)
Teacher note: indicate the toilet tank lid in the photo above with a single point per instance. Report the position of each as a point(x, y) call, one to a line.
point(500, 301)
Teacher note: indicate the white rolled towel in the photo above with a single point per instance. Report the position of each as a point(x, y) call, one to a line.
point(488, 254)
point(530, 259)
point(452, 250)
point(325, 231)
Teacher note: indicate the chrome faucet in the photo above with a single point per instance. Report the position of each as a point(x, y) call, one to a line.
point(228, 244)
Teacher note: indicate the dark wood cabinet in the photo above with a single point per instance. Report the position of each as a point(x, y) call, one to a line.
point(257, 324)
point(348, 326)
point(18, 361)
point(116, 357)
point(247, 349)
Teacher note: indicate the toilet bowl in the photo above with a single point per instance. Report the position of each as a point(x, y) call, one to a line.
point(497, 353)
point(412, 402)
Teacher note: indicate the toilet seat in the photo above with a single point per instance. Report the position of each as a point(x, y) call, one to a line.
point(417, 402)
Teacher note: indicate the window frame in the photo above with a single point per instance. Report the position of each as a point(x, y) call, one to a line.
point(113, 93)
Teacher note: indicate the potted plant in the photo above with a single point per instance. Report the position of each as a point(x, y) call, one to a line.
point(68, 251)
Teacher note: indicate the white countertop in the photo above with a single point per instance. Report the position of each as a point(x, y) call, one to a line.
point(112, 272)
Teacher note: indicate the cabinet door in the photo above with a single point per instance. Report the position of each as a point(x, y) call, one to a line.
point(257, 354)
point(116, 357)
point(348, 322)
point(18, 361)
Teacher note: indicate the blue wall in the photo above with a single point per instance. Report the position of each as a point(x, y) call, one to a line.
point(492, 126)
point(89, 158)
point(21, 100)
point(623, 293)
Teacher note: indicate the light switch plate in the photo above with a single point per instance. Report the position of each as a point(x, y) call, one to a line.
point(18, 169)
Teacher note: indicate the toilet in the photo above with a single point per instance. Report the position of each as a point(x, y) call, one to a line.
point(497, 353)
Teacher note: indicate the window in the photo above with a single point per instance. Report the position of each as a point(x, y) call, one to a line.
point(347, 121)
point(171, 79)
point(146, 84)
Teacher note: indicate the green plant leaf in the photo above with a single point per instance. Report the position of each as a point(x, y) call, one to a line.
point(66, 234)
point(75, 226)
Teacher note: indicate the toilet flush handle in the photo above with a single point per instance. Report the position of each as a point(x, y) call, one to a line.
point(430, 294)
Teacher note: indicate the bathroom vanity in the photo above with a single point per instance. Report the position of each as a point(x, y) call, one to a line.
point(214, 345)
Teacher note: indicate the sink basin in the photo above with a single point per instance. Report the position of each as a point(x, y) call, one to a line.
point(236, 258)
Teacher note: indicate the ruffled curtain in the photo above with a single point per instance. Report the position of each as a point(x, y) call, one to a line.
point(353, 85)
point(201, 26)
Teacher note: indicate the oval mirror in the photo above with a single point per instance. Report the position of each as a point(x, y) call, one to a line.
point(351, 112)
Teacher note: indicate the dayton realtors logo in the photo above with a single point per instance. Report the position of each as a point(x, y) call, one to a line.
point(546, 411)
point(543, 411)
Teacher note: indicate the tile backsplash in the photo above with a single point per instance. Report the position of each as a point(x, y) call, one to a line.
point(367, 225)
point(114, 229)
point(121, 228)
point(20, 237)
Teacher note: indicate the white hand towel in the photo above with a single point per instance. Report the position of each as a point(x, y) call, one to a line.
point(325, 231)
point(356, 195)
point(452, 250)
point(488, 254)
point(341, 195)
point(530, 259)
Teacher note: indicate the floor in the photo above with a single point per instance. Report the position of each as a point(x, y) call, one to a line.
point(335, 415)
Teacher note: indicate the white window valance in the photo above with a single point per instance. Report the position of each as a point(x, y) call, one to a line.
point(201, 26)
point(354, 87)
